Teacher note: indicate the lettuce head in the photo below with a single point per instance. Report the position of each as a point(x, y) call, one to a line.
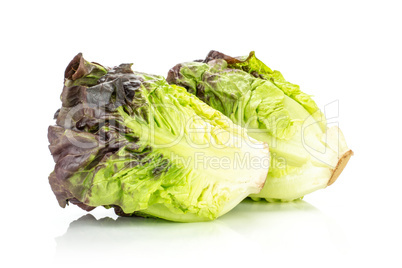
point(130, 141)
point(306, 155)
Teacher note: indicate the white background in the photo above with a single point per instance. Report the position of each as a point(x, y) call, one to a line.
point(348, 51)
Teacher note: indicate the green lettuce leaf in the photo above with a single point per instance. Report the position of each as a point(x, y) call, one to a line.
point(131, 141)
point(305, 155)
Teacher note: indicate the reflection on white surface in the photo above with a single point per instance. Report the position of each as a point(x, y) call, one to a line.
point(254, 232)
point(294, 225)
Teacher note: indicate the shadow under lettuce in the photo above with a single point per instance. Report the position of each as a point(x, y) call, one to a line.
point(252, 228)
